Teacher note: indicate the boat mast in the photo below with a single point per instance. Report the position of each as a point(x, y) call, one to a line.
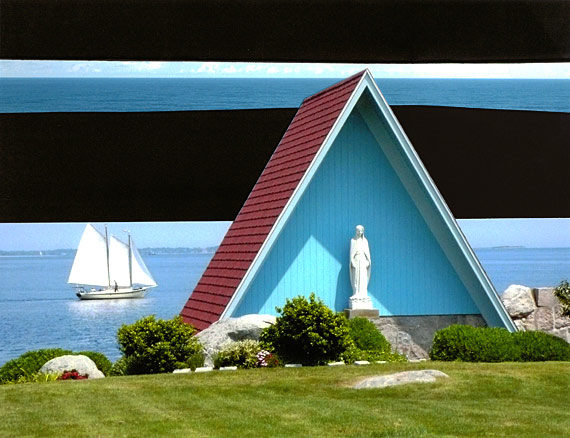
point(130, 261)
point(107, 246)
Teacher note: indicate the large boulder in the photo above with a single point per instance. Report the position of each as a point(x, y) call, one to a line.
point(519, 301)
point(82, 364)
point(229, 330)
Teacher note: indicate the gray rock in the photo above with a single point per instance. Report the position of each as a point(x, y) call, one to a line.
point(518, 300)
point(560, 321)
point(545, 297)
point(203, 369)
point(222, 332)
point(424, 376)
point(182, 371)
point(543, 319)
point(82, 364)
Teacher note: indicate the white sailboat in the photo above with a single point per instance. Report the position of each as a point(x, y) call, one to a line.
point(107, 268)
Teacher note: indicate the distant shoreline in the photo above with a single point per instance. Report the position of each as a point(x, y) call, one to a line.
point(143, 251)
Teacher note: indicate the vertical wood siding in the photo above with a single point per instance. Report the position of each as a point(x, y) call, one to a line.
point(354, 185)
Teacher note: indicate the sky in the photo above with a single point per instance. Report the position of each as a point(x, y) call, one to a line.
point(481, 233)
point(156, 69)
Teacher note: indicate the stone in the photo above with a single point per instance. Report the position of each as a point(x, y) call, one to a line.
point(82, 364)
point(204, 369)
point(545, 297)
point(519, 325)
point(233, 368)
point(293, 365)
point(518, 300)
point(222, 332)
point(423, 376)
point(381, 361)
point(361, 313)
point(182, 371)
point(361, 362)
point(335, 364)
point(562, 333)
point(559, 320)
point(543, 319)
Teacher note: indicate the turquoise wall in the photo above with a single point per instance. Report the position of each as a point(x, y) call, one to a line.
point(355, 184)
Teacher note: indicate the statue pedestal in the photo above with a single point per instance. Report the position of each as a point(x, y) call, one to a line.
point(361, 313)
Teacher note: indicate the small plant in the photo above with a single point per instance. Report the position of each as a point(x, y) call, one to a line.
point(562, 292)
point(73, 375)
point(242, 354)
point(267, 359)
point(153, 345)
point(307, 332)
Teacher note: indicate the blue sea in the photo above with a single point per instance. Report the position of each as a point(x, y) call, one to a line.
point(39, 310)
point(62, 94)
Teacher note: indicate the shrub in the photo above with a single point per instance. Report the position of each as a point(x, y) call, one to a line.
point(28, 363)
point(367, 337)
point(474, 344)
point(483, 344)
point(562, 292)
point(103, 364)
point(153, 345)
point(307, 332)
point(242, 354)
point(538, 346)
point(120, 367)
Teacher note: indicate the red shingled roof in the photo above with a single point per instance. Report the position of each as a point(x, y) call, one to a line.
point(279, 179)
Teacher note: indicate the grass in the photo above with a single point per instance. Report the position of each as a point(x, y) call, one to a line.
point(479, 400)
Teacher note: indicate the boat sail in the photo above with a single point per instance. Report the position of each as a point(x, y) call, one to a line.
point(113, 269)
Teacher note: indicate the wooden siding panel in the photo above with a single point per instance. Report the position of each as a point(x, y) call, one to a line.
point(357, 185)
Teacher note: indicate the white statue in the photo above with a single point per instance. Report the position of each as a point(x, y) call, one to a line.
point(359, 270)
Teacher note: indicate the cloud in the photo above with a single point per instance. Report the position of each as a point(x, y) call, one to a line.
point(209, 67)
point(251, 68)
point(143, 66)
point(231, 69)
point(272, 70)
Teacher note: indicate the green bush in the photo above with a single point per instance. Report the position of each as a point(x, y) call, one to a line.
point(538, 346)
point(153, 345)
point(103, 364)
point(36, 378)
point(242, 354)
point(367, 337)
point(119, 367)
point(28, 363)
point(562, 292)
point(307, 332)
point(484, 344)
point(474, 344)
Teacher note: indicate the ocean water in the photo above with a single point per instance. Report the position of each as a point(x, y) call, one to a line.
point(18, 95)
point(38, 309)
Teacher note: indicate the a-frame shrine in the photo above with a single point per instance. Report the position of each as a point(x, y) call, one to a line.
point(345, 161)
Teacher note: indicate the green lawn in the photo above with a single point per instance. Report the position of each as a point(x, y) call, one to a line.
point(479, 400)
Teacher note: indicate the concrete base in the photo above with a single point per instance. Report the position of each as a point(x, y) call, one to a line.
point(361, 313)
point(412, 336)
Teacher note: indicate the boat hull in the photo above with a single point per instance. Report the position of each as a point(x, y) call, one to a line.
point(111, 294)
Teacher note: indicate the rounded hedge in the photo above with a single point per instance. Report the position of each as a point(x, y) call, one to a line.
point(307, 332)
point(29, 363)
point(490, 344)
point(367, 337)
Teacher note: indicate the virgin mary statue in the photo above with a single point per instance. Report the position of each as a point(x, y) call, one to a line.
point(359, 270)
